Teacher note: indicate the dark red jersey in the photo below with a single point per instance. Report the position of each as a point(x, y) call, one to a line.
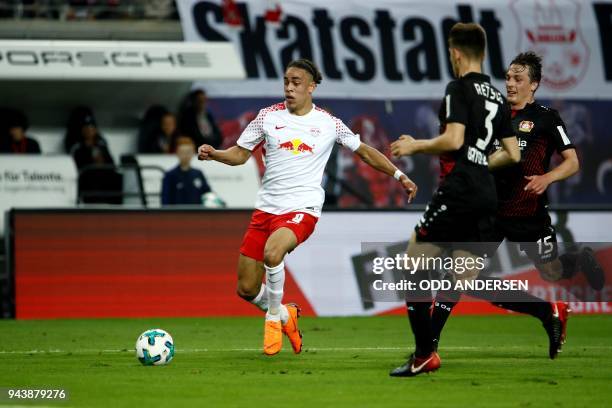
point(540, 132)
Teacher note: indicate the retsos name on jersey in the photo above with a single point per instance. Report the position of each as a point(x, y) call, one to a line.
point(476, 156)
point(484, 89)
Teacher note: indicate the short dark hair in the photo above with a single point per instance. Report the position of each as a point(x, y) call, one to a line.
point(181, 140)
point(17, 118)
point(308, 66)
point(469, 38)
point(532, 61)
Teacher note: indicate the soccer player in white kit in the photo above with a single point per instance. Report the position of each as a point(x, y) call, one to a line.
point(297, 138)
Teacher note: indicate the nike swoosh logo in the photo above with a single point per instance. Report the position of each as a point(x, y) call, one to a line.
point(555, 312)
point(279, 127)
point(419, 368)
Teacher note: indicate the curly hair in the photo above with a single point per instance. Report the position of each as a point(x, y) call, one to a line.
point(533, 62)
point(308, 66)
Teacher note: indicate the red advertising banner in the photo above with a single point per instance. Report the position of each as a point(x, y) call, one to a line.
point(181, 263)
point(131, 264)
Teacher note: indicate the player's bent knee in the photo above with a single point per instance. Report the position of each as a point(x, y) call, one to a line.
point(273, 256)
point(247, 291)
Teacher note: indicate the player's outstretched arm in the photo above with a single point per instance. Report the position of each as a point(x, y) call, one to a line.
point(567, 168)
point(233, 156)
point(450, 140)
point(509, 154)
point(380, 162)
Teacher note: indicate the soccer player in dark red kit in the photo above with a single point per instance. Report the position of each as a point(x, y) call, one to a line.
point(473, 115)
point(522, 215)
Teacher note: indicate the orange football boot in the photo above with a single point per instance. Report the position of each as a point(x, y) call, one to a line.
point(291, 327)
point(273, 337)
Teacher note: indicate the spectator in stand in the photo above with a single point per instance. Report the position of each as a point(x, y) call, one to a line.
point(14, 138)
point(158, 131)
point(96, 10)
point(184, 184)
point(90, 150)
point(80, 118)
point(98, 183)
point(80, 10)
point(159, 9)
point(197, 122)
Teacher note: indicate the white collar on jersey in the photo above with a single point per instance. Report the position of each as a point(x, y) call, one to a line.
point(300, 116)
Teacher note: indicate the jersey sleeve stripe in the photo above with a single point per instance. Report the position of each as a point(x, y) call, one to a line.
point(564, 137)
point(448, 105)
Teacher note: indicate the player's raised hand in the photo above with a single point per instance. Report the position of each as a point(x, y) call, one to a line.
point(409, 186)
point(404, 146)
point(537, 184)
point(205, 151)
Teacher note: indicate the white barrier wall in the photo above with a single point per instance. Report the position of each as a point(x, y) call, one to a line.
point(120, 140)
point(36, 181)
point(51, 181)
point(236, 185)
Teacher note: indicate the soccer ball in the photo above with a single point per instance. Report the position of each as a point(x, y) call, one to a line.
point(155, 347)
point(211, 200)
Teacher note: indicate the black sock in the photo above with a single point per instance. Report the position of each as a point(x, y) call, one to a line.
point(568, 262)
point(418, 305)
point(442, 309)
point(525, 302)
point(420, 322)
point(541, 309)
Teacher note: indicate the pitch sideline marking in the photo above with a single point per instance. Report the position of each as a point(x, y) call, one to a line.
point(228, 350)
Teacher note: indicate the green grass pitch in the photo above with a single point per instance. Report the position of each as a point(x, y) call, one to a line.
point(486, 361)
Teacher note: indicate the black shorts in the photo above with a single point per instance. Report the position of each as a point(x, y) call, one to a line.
point(536, 235)
point(447, 220)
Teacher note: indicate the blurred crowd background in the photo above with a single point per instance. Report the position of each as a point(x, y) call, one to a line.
point(88, 9)
point(101, 125)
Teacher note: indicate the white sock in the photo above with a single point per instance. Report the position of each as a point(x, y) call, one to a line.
point(284, 314)
point(261, 300)
point(275, 280)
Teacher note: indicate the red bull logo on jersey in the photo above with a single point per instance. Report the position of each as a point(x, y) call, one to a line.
point(296, 146)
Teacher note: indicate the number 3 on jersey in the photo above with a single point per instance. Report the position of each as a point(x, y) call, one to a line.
point(491, 108)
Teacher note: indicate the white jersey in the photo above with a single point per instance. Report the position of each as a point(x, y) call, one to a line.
point(296, 150)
